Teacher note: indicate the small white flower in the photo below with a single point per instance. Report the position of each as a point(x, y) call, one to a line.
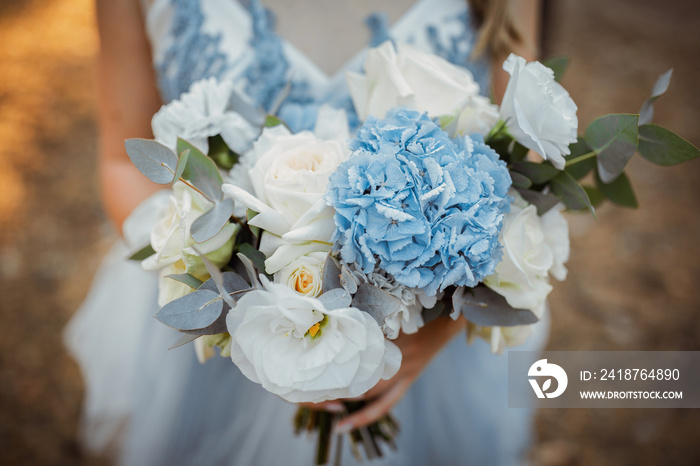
point(499, 337)
point(289, 175)
point(201, 112)
point(296, 348)
point(539, 112)
point(405, 76)
point(174, 246)
point(533, 247)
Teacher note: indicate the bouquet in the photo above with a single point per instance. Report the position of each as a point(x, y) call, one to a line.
point(301, 256)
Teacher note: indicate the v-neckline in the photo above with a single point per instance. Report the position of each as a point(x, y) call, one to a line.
point(353, 60)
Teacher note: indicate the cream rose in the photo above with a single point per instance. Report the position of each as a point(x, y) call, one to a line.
point(174, 246)
point(289, 177)
point(296, 348)
point(538, 111)
point(405, 76)
point(304, 274)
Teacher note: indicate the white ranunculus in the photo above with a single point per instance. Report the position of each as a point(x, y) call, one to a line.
point(173, 244)
point(410, 78)
point(533, 247)
point(296, 348)
point(289, 177)
point(538, 111)
point(304, 274)
point(204, 111)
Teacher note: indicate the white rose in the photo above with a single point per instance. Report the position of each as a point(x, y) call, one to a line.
point(530, 254)
point(303, 352)
point(173, 244)
point(289, 179)
point(410, 78)
point(204, 111)
point(304, 274)
point(538, 111)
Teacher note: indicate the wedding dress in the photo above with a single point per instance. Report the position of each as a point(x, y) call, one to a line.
point(154, 406)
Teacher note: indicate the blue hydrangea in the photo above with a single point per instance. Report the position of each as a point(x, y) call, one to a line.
point(422, 206)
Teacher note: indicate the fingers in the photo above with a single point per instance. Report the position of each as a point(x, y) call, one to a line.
point(332, 406)
point(374, 410)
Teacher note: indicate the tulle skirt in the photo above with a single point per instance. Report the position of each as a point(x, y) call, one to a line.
point(154, 406)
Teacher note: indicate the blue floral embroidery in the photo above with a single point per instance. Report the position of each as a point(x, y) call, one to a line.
point(192, 56)
point(378, 24)
point(458, 49)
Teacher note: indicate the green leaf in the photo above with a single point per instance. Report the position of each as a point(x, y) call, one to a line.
point(582, 168)
point(542, 201)
point(663, 147)
point(272, 121)
point(614, 138)
point(249, 213)
point(201, 171)
point(195, 310)
point(255, 256)
point(520, 181)
point(571, 193)
point(181, 165)
point(594, 195)
point(558, 65)
point(187, 279)
point(143, 253)
point(483, 306)
point(619, 191)
point(538, 173)
point(646, 113)
point(221, 154)
point(152, 158)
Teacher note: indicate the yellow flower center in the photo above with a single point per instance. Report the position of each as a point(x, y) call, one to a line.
point(316, 329)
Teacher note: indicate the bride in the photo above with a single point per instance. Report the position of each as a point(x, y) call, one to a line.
point(149, 406)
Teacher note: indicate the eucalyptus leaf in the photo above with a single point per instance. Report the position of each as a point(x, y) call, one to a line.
point(249, 269)
point(542, 201)
point(187, 279)
point(143, 253)
point(581, 168)
point(217, 327)
point(216, 276)
point(663, 147)
point(183, 340)
point(558, 65)
point(646, 113)
point(538, 173)
point(520, 181)
point(255, 256)
point(195, 310)
point(153, 159)
point(377, 303)
point(619, 191)
point(331, 274)
point(614, 138)
point(201, 171)
point(212, 221)
point(434, 312)
point(231, 282)
point(181, 165)
point(336, 298)
point(483, 306)
point(594, 195)
point(571, 193)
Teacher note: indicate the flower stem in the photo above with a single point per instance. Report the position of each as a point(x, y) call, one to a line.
point(581, 158)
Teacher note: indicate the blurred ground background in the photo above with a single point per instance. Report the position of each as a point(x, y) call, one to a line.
point(633, 273)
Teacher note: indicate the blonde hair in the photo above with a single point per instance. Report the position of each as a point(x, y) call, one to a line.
point(499, 31)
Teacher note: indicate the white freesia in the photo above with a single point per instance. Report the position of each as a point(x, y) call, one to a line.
point(174, 247)
point(304, 274)
point(204, 111)
point(289, 179)
point(296, 348)
point(530, 254)
point(539, 112)
point(405, 76)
